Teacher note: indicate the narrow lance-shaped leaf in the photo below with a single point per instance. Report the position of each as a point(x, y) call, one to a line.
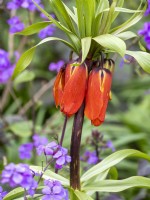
point(86, 44)
point(118, 185)
point(82, 195)
point(111, 42)
point(142, 58)
point(126, 35)
point(62, 14)
point(27, 57)
point(34, 28)
point(111, 161)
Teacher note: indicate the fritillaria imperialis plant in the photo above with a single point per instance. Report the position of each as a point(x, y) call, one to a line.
point(82, 86)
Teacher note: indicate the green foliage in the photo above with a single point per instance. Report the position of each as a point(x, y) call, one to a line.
point(90, 19)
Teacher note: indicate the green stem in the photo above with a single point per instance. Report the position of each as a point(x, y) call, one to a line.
point(75, 149)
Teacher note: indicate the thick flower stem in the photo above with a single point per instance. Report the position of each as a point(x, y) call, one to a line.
point(75, 149)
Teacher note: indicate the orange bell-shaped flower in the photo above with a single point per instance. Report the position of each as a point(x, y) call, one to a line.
point(58, 87)
point(98, 92)
point(75, 88)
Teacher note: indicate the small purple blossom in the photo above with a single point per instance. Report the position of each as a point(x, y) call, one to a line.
point(56, 66)
point(27, 4)
point(90, 157)
point(145, 32)
point(6, 68)
point(39, 140)
point(58, 153)
point(126, 60)
point(15, 24)
point(54, 191)
point(25, 151)
point(110, 145)
point(14, 4)
point(19, 175)
point(46, 32)
point(2, 193)
point(147, 12)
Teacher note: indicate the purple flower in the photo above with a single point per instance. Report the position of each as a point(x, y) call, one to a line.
point(127, 59)
point(49, 149)
point(110, 145)
point(58, 153)
point(46, 32)
point(56, 66)
point(54, 191)
point(39, 140)
point(90, 157)
point(15, 24)
point(2, 193)
point(145, 32)
point(6, 69)
point(19, 175)
point(147, 12)
point(25, 151)
point(27, 4)
point(14, 4)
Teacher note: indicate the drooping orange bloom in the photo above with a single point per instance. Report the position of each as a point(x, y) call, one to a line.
point(98, 92)
point(70, 87)
point(58, 87)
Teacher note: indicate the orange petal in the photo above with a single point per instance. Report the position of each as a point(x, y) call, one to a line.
point(59, 86)
point(93, 103)
point(74, 90)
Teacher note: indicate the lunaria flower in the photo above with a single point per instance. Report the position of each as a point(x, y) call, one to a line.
point(25, 151)
point(2, 193)
point(145, 32)
point(56, 66)
point(6, 68)
point(54, 191)
point(57, 152)
point(19, 175)
point(90, 157)
point(46, 32)
point(15, 24)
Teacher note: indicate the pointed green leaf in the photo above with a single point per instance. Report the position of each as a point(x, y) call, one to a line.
point(86, 44)
point(81, 22)
point(82, 195)
point(111, 161)
point(130, 22)
point(17, 192)
point(51, 175)
point(34, 28)
point(27, 57)
point(119, 185)
point(62, 14)
point(142, 58)
point(72, 15)
point(111, 42)
point(126, 35)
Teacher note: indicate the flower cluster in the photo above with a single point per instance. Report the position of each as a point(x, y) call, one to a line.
point(2, 193)
point(54, 190)
point(90, 157)
point(19, 175)
point(15, 24)
point(72, 86)
point(25, 150)
point(145, 32)
point(48, 31)
point(147, 12)
point(56, 66)
point(58, 153)
point(6, 68)
point(27, 4)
